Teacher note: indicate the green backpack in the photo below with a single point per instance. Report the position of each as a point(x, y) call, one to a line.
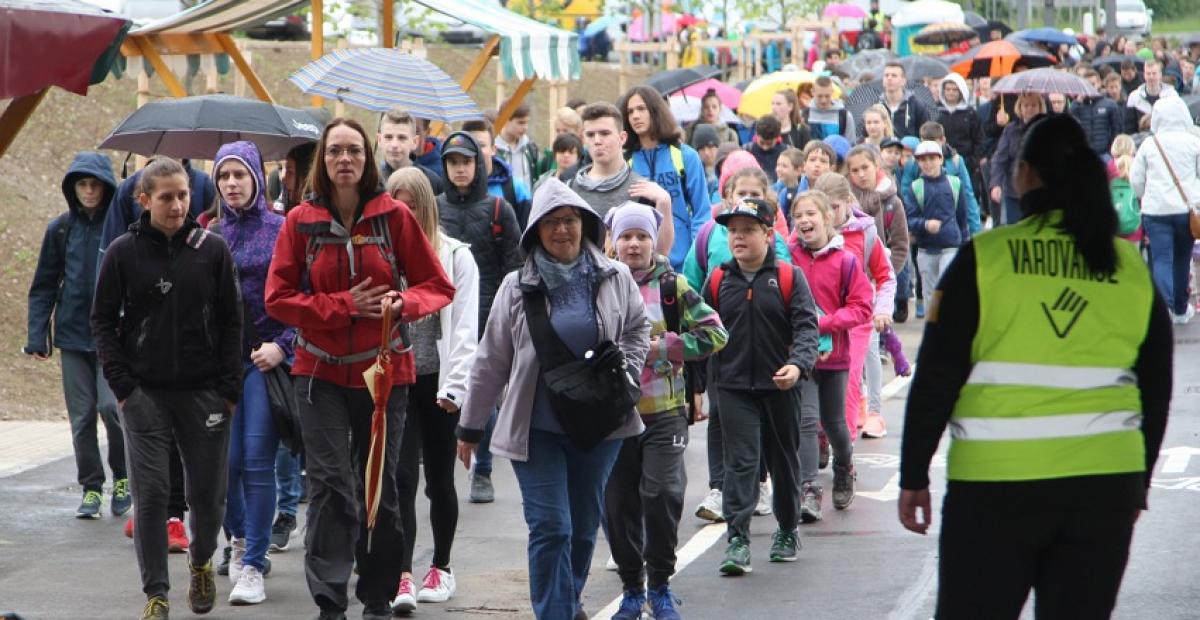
point(1129, 215)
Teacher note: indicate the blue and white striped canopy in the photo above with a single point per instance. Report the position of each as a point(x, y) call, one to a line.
point(379, 79)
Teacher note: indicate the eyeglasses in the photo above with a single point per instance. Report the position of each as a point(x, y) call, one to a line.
point(569, 222)
point(355, 152)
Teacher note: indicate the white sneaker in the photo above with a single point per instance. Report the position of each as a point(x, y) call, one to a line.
point(611, 564)
point(764, 499)
point(710, 509)
point(406, 599)
point(438, 586)
point(236, 559)
point(249, 588)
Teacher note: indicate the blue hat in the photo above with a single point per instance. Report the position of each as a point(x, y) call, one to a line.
point(840, 145)
point(910, 142)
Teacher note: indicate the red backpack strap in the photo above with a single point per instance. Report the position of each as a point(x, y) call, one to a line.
point(714, 286)
point(497, 229)
point(787, 277)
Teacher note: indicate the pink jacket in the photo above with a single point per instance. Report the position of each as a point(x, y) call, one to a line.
point(878, 267)
point(841, 290)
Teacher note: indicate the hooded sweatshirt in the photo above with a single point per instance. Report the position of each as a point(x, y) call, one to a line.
point(125, 209)
point(1172, 125)
point(502, 184)
point(856, 231)
point(883, 203)
point(690, 205)
point(65, 278)
point(468, 217)
point(964, 130)
point(841, 290)
point(604, 194)
point(506, 363)
point(250, 234)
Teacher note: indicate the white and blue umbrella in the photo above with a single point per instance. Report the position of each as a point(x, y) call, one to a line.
point(379, 79)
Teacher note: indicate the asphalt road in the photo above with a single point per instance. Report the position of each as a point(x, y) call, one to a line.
point(858, 563)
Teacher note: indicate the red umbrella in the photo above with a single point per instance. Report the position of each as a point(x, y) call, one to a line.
point(62, 43)
point(730, 96)
point(379, 383)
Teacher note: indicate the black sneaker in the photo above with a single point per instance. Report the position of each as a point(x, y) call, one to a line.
point(900, 314)
point(157, 608)
point(784, 546)
point(281, 531)
point(89, 508)
point(377, 612)
point(223, 567)
point(810, 503)
point(737, 558)
point(202, 589)
point(843, 486)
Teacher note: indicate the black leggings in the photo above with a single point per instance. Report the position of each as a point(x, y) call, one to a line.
point(428, 438)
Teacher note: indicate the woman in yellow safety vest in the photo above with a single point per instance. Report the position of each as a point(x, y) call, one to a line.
point(1048, 354)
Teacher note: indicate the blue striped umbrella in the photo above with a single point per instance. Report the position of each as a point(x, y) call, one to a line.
point(379, 79)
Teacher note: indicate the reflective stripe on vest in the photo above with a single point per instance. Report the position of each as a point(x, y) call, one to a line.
point(1051, 392)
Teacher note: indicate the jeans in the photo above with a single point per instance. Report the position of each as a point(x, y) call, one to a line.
point(483, 452)
point(904, 284)
point(88, 397)
point(933, 265)
point(253, 444)
point(1170, 257)
point(1011, 210)
point(288, 484)
point(562, 490)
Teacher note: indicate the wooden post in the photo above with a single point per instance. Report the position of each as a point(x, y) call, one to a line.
point(511, 104)
point(672, 53)
point(387, 26)
point(622, 68)
point(318, 40)
point(16, 115)
point(339, 107)
point(419, 50)
point(143, 97)
point(209, 63)
point(243, 64)
point(501, 87)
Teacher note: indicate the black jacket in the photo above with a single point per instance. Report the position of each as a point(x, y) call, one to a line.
point(764, 335)
point(964, 131)
point(468, 218)
point(184, 336)
point(908, 117)
point(1101, 120)
point(65, 279)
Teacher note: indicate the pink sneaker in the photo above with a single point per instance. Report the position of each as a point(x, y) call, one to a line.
point(874, 427)
point(406, 599)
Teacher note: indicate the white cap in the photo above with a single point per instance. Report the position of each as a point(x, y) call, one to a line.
point(928, 147)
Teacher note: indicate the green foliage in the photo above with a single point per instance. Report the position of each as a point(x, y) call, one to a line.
point(1170, 8)
point(778, 12)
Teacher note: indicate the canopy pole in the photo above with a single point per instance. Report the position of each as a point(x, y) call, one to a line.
point(16, 115)
point(168, 77)
point(515, 100)
point(387, 27)
point(318, 39)
point(472, 75)
point(226, 42)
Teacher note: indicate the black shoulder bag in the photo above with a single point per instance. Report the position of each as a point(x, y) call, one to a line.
point(280, 394)
point(591, 397)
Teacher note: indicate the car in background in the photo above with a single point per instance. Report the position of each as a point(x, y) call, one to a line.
point(1132, 18)
point(282, 28)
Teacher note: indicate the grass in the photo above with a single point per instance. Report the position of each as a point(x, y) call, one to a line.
point(1182, 25)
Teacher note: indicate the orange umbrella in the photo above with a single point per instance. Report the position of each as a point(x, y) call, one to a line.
point(996, 59)
point(379, 384)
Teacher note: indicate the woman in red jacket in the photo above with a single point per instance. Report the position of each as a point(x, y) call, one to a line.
point(339, 258)
point(841, 289)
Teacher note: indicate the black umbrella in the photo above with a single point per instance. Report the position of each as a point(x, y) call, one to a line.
point(868, 61)
point(985, 31)
point(667, 82)
point(1116, 59)
point(867, 95)
point(195, 127)
point(922, 67)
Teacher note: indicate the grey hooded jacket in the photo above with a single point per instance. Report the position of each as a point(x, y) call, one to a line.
point(506, 364)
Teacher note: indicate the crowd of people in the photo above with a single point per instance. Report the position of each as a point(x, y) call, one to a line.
point(752, 282)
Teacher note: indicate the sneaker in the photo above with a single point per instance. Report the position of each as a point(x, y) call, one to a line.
point(202, 590)
point(236, 558)
point(482, 491)
point(662, 603)
point(810, 503)
point(710, 508)
point(122, 501)
point(822, 451)
point(406, 597)
point(874, 427)
point(764, 499)
point(920, 308)
point(737, 558)
point(331, 614)
point(900, 314)
point(438, 586)
point(784, 546)
point(89, 508)
point(249, 588)
point(223, 566)
point(377, 612)
point(157, 608)
point(129, 528)
point(632, 603)
point(281, 531)
point(177, 538)
point(611, 564)
point(843, 486)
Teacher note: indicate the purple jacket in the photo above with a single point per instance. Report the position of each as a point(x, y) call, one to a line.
point(250, 234)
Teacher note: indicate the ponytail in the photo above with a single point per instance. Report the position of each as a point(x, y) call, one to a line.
point(1074, 180)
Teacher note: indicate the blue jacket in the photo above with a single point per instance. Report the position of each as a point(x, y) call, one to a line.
point(690, 205)
point(65, 279)
point(1101, 120)
point(949, 166)
point(502, 184)
point(125, 210)
point(785, 196)
point(939, 205)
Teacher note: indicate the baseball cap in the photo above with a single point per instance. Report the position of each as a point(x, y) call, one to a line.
point(888, 143)
point(928, 147)
point(461, 144)
point(909, 142)
point(756, 208)
point(840, 145)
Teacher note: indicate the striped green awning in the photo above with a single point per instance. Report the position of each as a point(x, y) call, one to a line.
point(528, 48)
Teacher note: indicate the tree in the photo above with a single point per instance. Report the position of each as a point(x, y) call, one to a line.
point(779, 12)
